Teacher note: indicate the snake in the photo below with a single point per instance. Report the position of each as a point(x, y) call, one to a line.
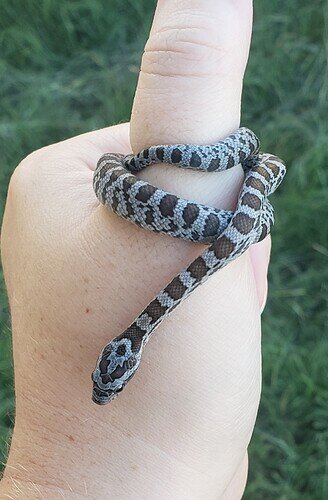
point(227, 234)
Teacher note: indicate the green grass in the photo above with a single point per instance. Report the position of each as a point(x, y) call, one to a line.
point(70, 66)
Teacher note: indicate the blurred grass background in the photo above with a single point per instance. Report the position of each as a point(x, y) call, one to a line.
point(67, 67)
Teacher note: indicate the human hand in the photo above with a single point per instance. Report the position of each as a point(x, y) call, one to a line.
point(78, 275)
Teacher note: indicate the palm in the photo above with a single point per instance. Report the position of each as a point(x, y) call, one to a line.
point(95, 266)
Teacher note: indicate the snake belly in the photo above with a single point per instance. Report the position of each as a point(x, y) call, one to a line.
point(228, 234)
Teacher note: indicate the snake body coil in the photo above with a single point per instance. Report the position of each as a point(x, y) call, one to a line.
point(229, 233)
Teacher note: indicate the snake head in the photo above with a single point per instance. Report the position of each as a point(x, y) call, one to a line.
point(116, 365)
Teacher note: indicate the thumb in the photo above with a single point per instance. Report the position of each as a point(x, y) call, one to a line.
point(189, 91)
point(192, 71)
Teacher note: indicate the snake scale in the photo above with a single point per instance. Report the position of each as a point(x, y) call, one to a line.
point(227, 233)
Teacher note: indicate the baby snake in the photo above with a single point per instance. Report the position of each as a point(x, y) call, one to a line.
point(228, 233)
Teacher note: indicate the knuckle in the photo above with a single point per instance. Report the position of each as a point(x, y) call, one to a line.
point(189, 41)
point(188, 51)
point(24, 175)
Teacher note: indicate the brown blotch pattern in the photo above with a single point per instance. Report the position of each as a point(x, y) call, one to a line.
point(198, 268)
point(155, 310)
point(273, 167)
point(243, 223)
point(176, 289)
point(145, 193)
point(223, 247)
point(190, 213)
point(212, 226)
point(256, 184)
point(252, 201)
point(168, 204)
point(262, 171)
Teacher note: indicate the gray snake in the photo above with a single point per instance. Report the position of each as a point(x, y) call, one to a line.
point(229, 234)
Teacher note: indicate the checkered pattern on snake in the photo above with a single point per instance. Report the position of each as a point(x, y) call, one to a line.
point(229, 233)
